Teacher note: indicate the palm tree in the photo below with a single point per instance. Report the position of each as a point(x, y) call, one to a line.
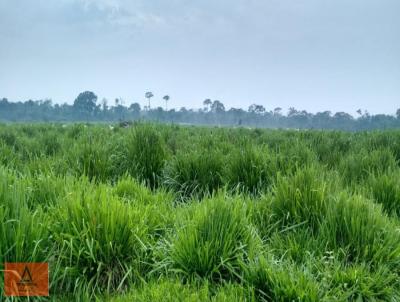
point(207, 104)
point(166, 99)
point(148, 95)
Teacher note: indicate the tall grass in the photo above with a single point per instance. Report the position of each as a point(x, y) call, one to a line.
point(146, 154)
point(250, 170)
point(195, 174)
point(101, 241)
point(277, 281)
point(269, 215)
point(358, 227)
point(385, 190)
point(214, 242)
point(301, 198)
point(24, 233)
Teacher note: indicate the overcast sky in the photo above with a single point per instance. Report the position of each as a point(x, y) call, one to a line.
point(310, 54)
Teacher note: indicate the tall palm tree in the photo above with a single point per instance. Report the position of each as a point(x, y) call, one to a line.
point(166, 99)
point(148, 95)
point(207, 104)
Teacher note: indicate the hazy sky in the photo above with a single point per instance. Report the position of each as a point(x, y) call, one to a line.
point(310, 54)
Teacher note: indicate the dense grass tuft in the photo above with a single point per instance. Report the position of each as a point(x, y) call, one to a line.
point(101, 241)
point(249, 170)
point(145, 153)
point(385, 190)
point(214, 241)
point(357, 226)
point(301, 198)
point(195, 174)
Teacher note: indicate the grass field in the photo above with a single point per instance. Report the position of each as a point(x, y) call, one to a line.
point(168, 213)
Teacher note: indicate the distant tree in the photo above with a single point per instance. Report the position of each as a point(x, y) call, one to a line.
point(207, 104)
point(217, 107)
point(148, 95)
point(85, 103)
point(278, 111)
point(342, 116)
point(166, 99)
point(398, 113)
point(359, 112)
point(104, 105)
point(257, 109)
point(135, 107)
point(292, 111)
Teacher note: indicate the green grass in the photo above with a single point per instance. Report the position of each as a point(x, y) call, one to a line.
point(172, 213)
point(213, 242)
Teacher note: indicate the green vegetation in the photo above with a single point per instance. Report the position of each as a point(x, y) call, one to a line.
point(167, 213)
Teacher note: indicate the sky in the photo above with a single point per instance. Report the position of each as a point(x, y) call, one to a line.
point(316, 55)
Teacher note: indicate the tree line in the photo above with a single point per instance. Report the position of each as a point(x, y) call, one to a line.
point(88, 108)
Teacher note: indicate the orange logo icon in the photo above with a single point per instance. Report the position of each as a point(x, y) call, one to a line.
point(26, 279)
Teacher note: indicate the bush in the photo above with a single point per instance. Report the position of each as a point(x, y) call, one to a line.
point(214, 242)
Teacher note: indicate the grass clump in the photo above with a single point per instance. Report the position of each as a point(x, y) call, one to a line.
point(278, 281)
point(171, 290)
point(145, 154)
point(102, 241)
point(385, 190)
point(359, 283)
point(358, 227)
point(24, 235)
point(301, 198)
point(356, 167)
point(92, 158)
point(248, 170)
point(195, 174)
point(214, 241)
